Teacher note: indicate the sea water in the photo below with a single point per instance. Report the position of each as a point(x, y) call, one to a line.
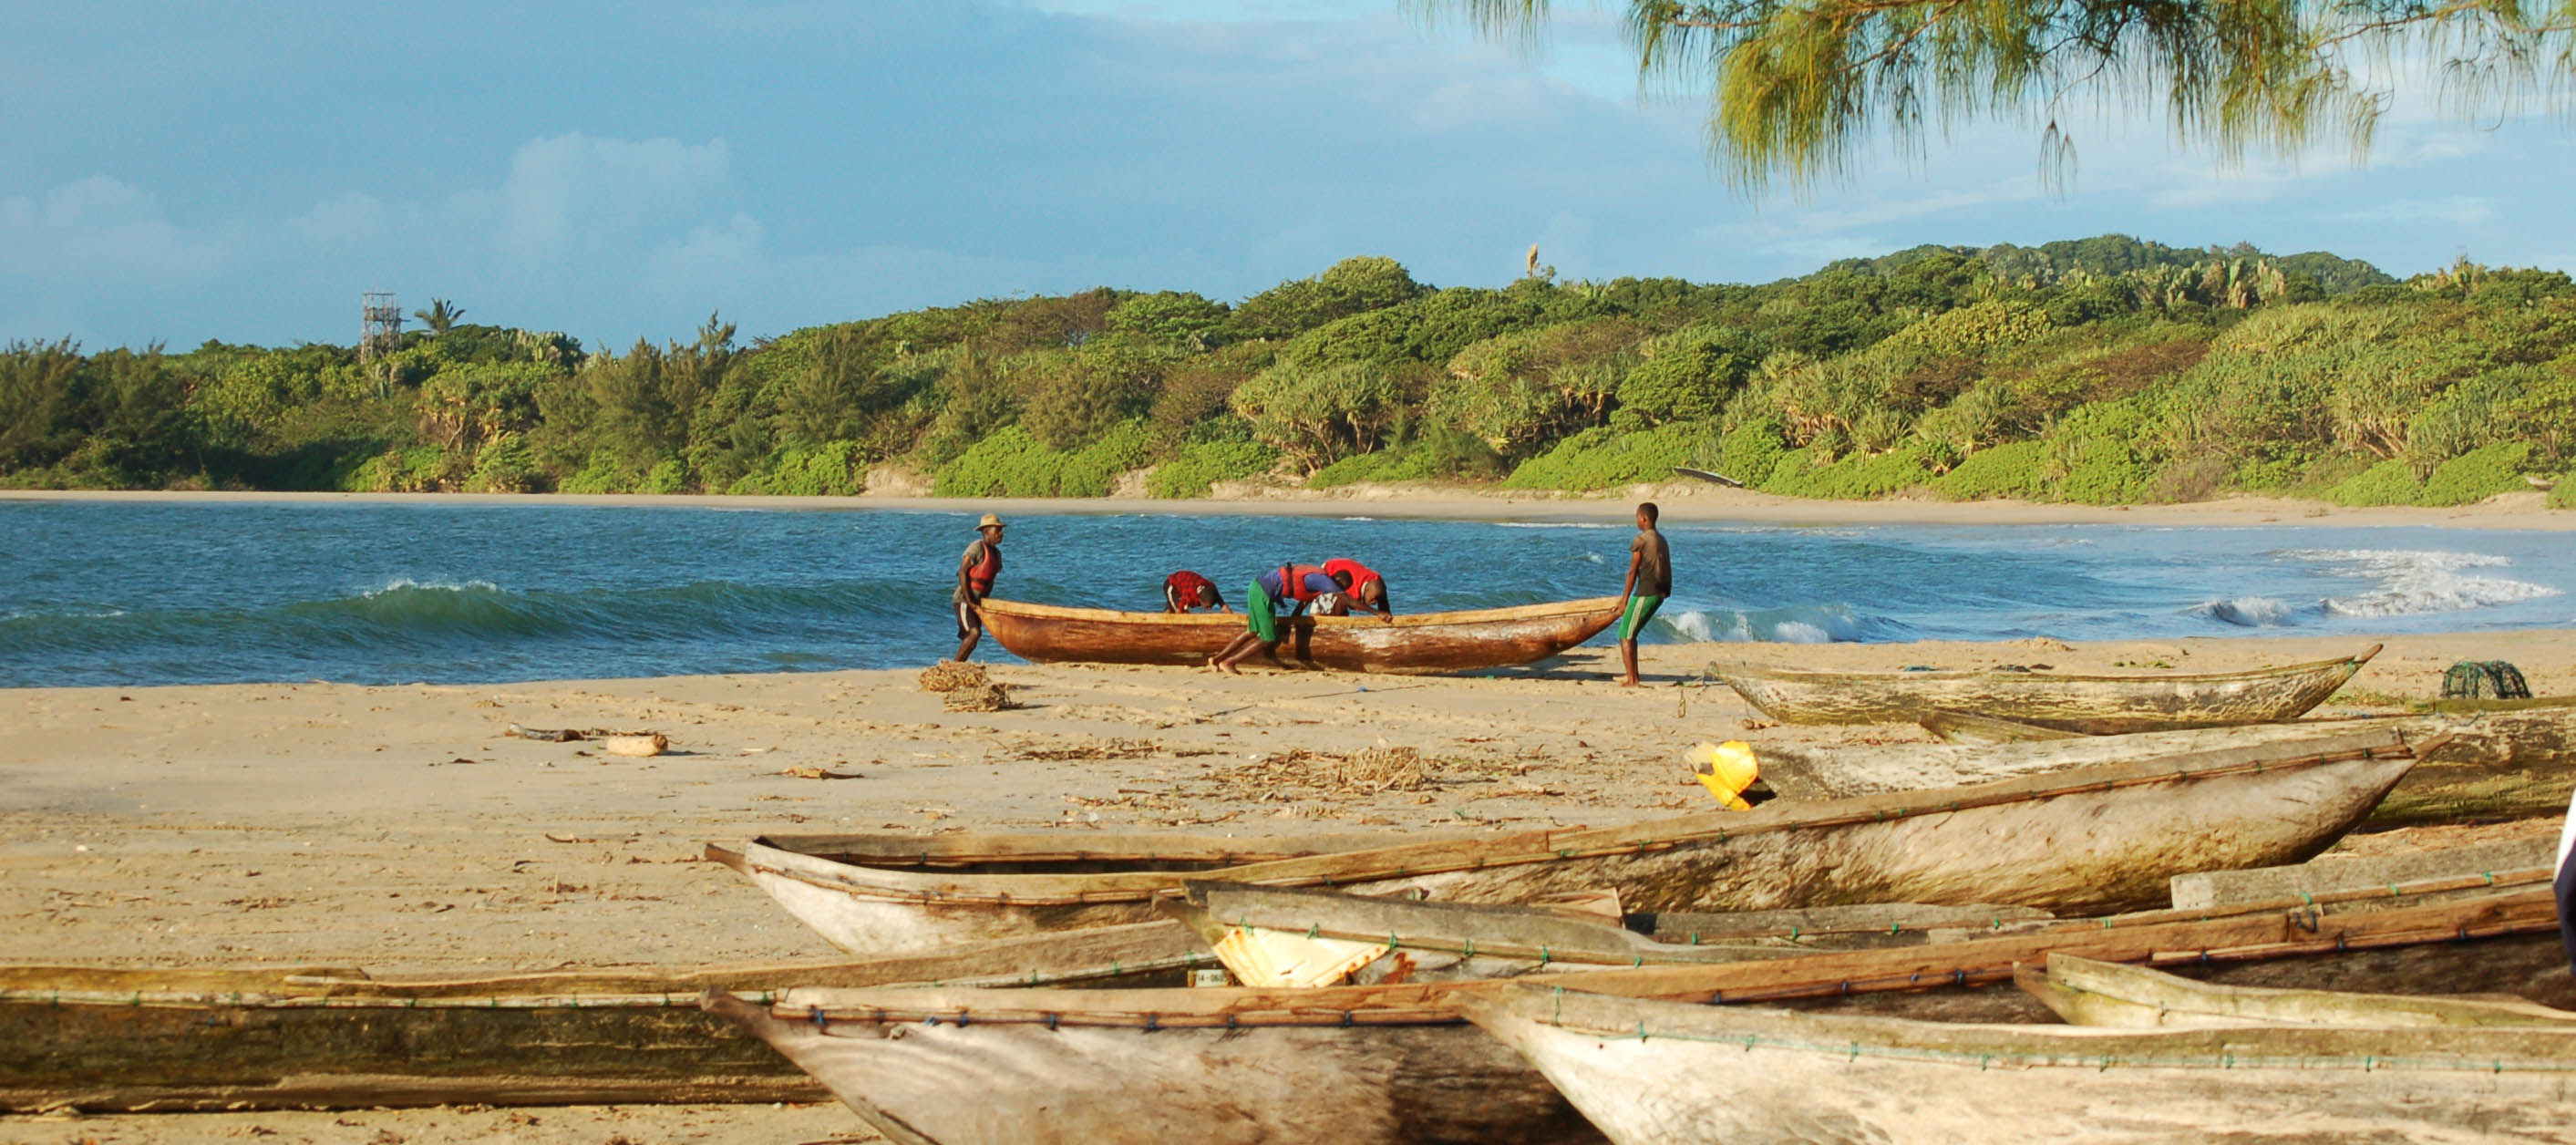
point(131, 593)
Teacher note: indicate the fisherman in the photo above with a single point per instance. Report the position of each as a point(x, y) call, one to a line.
point(1367, 588)
point(1186, 591)
point(975, 573)
point(1650, 580)
point(1296, 586)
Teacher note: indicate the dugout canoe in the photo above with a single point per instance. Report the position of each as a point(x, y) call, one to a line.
point(2093, 704)
point(1424, 642)
point(1389, 1062)
point(2086, 840)
point(2500, 760)
point(168, 1039)
point(2085, 992)
point(1212, 1066)
point(1285, 937)
point(1650, 1073)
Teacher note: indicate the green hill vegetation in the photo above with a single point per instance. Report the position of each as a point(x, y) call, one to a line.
point(2106, 370)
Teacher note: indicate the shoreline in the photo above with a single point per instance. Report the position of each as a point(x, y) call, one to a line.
point(1691, 502)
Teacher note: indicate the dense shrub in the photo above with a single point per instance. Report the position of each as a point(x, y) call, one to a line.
point(1202, 464)
point(830, 469)
point(2387, 483)
point(1437, 455)
point(1010, 463)
point(2018, 470)
point(1600, 458)
point(2477, 475)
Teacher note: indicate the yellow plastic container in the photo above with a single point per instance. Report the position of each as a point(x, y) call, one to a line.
point(1726, 769)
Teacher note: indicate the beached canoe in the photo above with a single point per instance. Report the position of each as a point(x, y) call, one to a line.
point(1416, 643)
point(164, 1039)
point(2091, 839)
point(2085, 992)
point(2497, 762)
point(1280, 937)
point(1841, 771)
point(1386, 1062)
point(2094, 704)
point(1354, 1066)
point(1651, 1073)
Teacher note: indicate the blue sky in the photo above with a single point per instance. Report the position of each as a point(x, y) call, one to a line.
point(175, 172)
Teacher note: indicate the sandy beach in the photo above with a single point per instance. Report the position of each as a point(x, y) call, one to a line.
point(1681, 501)
point(399, 828)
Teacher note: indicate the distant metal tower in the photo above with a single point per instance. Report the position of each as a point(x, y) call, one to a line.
point(379, 334)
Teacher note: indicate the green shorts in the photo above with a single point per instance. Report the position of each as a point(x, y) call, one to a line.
point(1256, 608)
point(1641, 609)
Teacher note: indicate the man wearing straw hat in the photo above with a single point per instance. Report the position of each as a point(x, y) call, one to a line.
point(975, 573)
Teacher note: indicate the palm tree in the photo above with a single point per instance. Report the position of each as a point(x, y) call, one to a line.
point(441, 316)
point(1796, 88)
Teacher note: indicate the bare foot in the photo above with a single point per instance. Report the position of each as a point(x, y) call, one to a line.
point(1230, 669)
point(1630, 682)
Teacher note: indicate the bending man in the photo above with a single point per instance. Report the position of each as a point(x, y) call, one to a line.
point(1292, 585)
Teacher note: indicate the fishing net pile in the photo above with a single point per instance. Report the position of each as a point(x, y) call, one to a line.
point(977, 697)
point(950, 676)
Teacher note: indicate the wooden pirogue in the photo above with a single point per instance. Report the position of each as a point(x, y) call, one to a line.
point(2498, 761)
point(2086, 992)
point(2094, 704)
point(1417, 643)
point(2091, 839)
point(1651, 1072)
point(1359, 1065)
point(101, 1039)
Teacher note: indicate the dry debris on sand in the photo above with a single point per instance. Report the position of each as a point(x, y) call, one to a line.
point(950, 676)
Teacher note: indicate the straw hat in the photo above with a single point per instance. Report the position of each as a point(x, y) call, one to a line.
point(989, 522)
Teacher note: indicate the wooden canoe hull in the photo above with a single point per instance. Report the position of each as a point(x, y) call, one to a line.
point(2089, 993)
point(2086, 841)
point(173, 1040)
point(1419, 643)
point(2092, 704)
point(1652, 1073)
point(1066, 1080)
point(2500, 762)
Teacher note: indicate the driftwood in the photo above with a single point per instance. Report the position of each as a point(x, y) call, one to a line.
point(2087, 840)
point(1653, 1072)
point(1418, 643)
point(2094, 704)
point(321, 1037)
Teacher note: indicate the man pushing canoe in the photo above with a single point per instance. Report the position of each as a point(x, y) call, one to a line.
point(1293, 585)
point(975, 574)
point(1368, 588)
point(1186, 591)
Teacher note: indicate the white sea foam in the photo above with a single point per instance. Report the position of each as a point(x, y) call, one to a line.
point(2406, 581)
point(398, 584)
point(1781, 626)
point(1800, 632)
point(2249, 612)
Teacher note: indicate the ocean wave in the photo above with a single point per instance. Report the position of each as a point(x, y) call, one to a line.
point(2249, 612)
point(1812, 624)
point(2409, 581)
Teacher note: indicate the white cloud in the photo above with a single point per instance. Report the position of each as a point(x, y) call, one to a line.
point(101, 230)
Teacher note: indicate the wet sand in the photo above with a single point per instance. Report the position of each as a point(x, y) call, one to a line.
point(398, 828)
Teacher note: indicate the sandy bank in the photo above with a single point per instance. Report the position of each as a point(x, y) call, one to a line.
point(398, 828)
point(1686, 501)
